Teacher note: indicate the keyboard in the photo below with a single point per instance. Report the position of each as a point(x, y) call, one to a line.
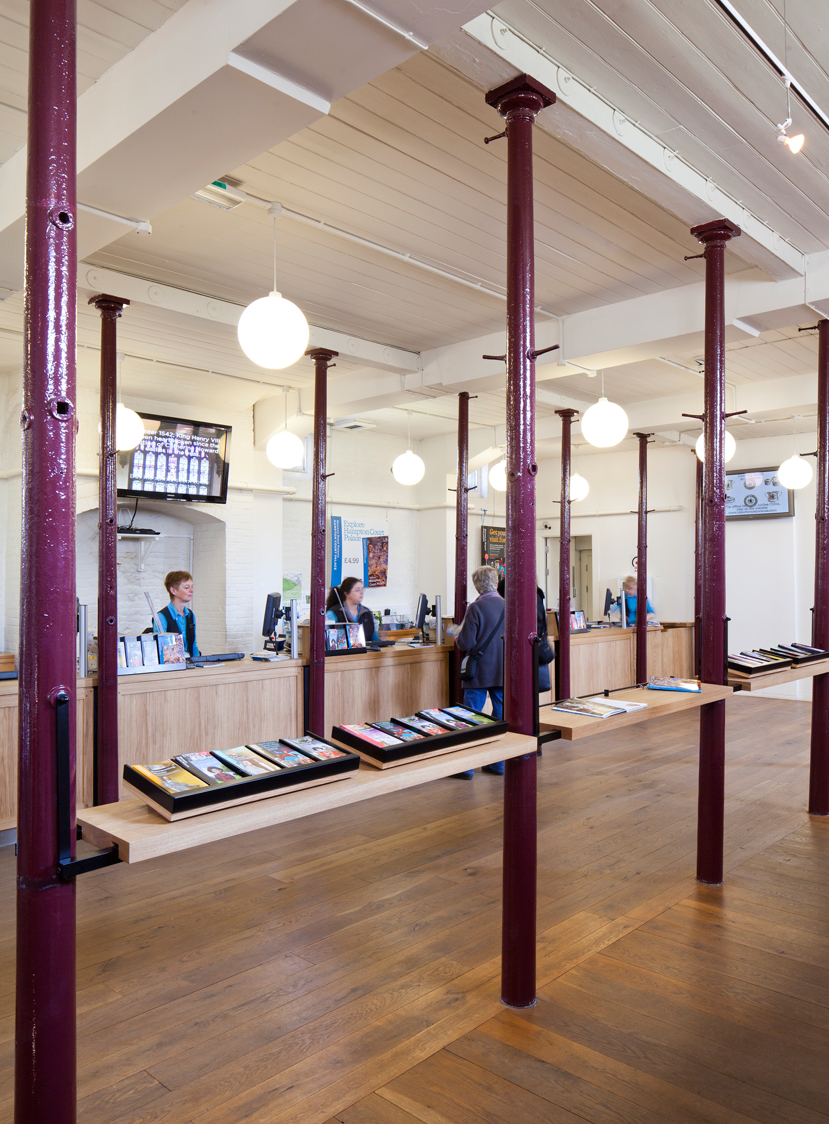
point(219, 658)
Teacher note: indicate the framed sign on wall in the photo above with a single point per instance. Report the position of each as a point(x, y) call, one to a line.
point(757, 493)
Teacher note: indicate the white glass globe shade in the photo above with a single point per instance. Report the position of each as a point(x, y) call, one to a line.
point(604, 424)
point(273, 332)
point(129, 429)
point(408, 468)
point(498, 476)
point(284, 449)
point(796, 472)
point(578, 487)
point(728, 450)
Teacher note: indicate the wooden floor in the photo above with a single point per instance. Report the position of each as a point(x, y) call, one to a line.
point(345, 967)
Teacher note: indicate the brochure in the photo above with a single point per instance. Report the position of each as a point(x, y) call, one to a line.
point(208, 767)
point(622, 704)
point(467, 715)
point(170, 776)
point(372, 735)
point(245, 761)
point(672, 683)
point(589, 708)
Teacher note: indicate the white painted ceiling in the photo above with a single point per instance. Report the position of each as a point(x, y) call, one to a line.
point(401, 162)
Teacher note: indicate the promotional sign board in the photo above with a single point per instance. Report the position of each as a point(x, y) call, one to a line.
point(349, 540)
point(757, 494)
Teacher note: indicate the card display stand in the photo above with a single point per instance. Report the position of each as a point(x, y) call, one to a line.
point(386, 757)
point(182, 805)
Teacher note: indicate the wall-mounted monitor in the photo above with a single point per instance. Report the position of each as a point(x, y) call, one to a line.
point(177, 460)
point(757, 494)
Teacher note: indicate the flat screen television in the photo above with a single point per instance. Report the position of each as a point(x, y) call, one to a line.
point(176, 459)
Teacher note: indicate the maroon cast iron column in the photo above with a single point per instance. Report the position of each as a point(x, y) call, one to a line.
point(819, 765)
point(45, 1051)
point(519, 101)
point(316, 659)
point(107, 786)
point(642, 564)
point(714, 236)
point(698, 567)
point(563, 660)
point(461, 529)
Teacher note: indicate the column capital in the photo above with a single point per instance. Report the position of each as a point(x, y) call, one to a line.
point(323, 354)
point(522, 92)
point(107, 305)
point(568, 413)
point(718, 230)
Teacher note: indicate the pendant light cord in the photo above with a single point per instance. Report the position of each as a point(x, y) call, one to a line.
point(274, 266)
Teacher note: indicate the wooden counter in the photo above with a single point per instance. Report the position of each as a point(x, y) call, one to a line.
point(575, 726)
point(606, 657)
point(164, 713)
point(775, 678)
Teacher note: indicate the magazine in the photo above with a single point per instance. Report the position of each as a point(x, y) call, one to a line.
point(281, 754)
point(398, 731)
point(418, 723)
point(132, 645)
point(372, 735)
point(589, 708)
point(320, 751)
point(149, 649)
point(446, 719)
point(245, 761)
point(467, 715)
point(208, 767)
point(622, 704)
point(171, 647)
point(672, 683)
point(170, 776)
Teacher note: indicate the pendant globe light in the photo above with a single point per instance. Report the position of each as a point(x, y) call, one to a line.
point(578, 488)
point(729, 447)
point(285, 449)
point(129, 427)
point(795, 472)
point(498, 476)
point(604, 424)
point(408, 468)
point(273, 332)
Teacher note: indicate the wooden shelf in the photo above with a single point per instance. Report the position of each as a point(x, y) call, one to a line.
point(574, 726)
point(142, 834)
point(773, 678)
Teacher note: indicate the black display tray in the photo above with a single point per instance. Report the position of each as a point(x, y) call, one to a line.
point(430, 744)
point(180, 804)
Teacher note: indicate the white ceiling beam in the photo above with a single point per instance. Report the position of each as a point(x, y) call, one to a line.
point(177, 112)
point(658, 171)
point(137, 290)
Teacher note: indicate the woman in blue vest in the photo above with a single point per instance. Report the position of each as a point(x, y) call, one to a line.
point(178, 616)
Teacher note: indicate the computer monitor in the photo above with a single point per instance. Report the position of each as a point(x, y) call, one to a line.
point(273, 613)
point(609, 602)
point(421, 612)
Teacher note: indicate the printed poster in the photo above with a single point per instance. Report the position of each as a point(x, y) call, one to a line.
point(349, 546)
point(377, 561)
point(494, 548)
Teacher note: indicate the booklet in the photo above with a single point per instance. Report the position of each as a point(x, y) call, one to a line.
point(281, 754)
point(372, 735)
point(421, 724)
point(622, 704)
point(590, 708)
point(672, 683)
point(467, 715)
point(320, 751)
point(398, 731)
point(247, 762)
point(440, 716)
point(208, 767)
point(170, 776)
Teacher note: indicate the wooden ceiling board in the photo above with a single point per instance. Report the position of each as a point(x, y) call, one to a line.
point(605, 55)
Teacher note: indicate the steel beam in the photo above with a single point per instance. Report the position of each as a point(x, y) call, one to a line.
point(107, 780)
point(714, 236)
point(819, 764)
point(519, 101)
point(45, 1038)
point(316, 657)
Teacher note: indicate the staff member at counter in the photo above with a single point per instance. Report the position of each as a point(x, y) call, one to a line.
point(177, 616)
point(630, 587)
point(345, 606)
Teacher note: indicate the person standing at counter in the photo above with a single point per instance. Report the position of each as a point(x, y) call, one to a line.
point(630, 588)
point(178, 616)
point(482, 632)
point(345, 606)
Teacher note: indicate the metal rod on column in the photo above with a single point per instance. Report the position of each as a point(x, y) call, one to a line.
point(519, 101)
point(107, 786)
point(563, 660)
point(461, 528)
point(698, 567)
point(642, 564)
point(45, 1038)
point(714, 236)
point(819, 764)
point(316, 658)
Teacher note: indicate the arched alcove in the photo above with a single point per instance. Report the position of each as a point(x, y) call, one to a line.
point(190, 539)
